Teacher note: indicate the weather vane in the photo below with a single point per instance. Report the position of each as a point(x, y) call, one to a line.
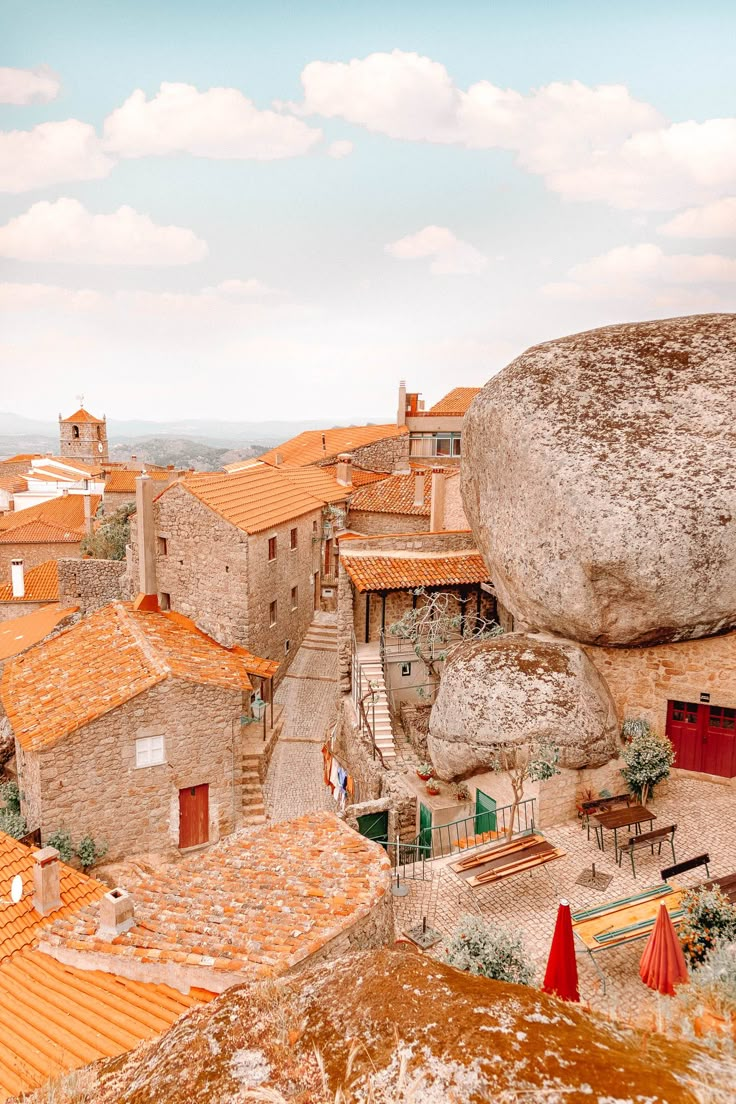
point(81, 399)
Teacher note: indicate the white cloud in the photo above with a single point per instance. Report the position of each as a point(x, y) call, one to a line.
point(65, 231)
point(220, 123)
point(450, 255)
point(51, 153)
point(339, 149)
point(714, 220)
point(28, 86)
point(588, 143)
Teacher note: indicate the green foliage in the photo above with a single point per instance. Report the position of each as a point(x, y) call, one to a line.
point(709, 917)
point(62, 841)
point(543, 762)
point(12, 823)
point(89, 852)
point(715, 982)
point(491, 952)
point(10, 796)
point(111, 537)
point(648, 758)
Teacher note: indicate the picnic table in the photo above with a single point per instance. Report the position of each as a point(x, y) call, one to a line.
point(727, 882)
point(613, 819)
point(513, 857)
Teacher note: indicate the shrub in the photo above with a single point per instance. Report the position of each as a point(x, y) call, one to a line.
point(109, 540)
point(709, 916)
point(89, 852)
point(648, 758)
point(10, 796)
point(12, 823)
point(715, 982)
point(62, 841)
point(491, 952)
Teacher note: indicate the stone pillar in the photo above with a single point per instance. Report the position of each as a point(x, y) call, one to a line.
point(419, 488)
point(437, 507)
point(46, 882)
point(144, 487)
point(401, 411)
point(344, 474)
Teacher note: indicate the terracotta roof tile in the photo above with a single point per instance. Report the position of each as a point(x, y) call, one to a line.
point(255, 665)
point(19, 633)
point(13, 483)
point(360, 477)
point(319, 482)
point(41, 584)
point(62, 684)
point(255, 498)
point(310, 448)
point(122, 481)
point(407, 571)
point(455, 404)
point(21, 458)
point(395, 495)
point(83, 415)
point(60, 520)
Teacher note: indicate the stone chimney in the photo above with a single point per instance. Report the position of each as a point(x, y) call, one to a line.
point(278, 460)
point(117, 914)
point(437, 506)
point(148, 586)
point(401, 410)
point(88, 526)
point(324, 443)
point(46, 886)
point(419, 488)
point(344, 473)
point(17, 579)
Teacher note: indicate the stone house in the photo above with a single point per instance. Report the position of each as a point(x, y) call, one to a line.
point(29, 591)
point(420, 500)
point(379, 448)
point(49, 531)
point(120, 485)
point(128, 728)
point(435, 433)
point(51, 477)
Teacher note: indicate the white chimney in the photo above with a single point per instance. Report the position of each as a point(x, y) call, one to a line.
point(88, 527)
point(401, 409)
point(344, 474)
point(437, 502)
point(17, 578)
point(117, 914)
point(46, 881)
point(144, 487)
point(419, 488)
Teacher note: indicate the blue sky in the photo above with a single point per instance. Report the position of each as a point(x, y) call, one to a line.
point(414, 190)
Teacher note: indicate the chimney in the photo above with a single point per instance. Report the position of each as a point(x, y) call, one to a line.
point(46, 890)
point(401, 410)
point(88, 527)
point(437, 506)
point(419, 488)
point(324, 443)
point(278, 460)
point(117, 914)
point(64, 491)
point(144, 487)
point(344, 473)
point(17, 578)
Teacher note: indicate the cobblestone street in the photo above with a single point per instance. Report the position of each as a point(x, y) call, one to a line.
point(308, 694)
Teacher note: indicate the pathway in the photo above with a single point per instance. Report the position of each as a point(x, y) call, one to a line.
point(309, 695)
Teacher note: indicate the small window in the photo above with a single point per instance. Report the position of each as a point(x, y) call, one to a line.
point(164, 601)
point(287, 645)
point(294, 597)
point(272, 614)
point(75, 432)
point(271, 548)
point(314, 527)
point(405, 670)
point(162, 546)
point(149, 751)
point(294, 538)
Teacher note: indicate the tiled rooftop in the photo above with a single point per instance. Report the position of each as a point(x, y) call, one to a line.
point(41, 584)
point(255, 665)
point(83, 415)
point(55, 1018)
point(455, 404)
point(253, 905)
point(122, 481)
point(255, 498)
point(59, 521)
point(408, 571)
point(12, 483)
point(319, 482)
point(317, 445)
point(395, 495)
point(20, 923)
point(20, 633)
point(63, 683)
point(360, 476)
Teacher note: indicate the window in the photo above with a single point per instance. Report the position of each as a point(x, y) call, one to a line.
point(149, 751)
point(287, 645)
point(272, 612)
point(314, 528)
point(162, 546)
point(405, 670)
point(294, 538)
point(164, 600)
point(294, 597)
point(75, 432)
point(271, 548)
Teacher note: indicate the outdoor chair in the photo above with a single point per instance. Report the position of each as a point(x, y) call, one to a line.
point(683, 867)
point(648, 839)
point(601, 805)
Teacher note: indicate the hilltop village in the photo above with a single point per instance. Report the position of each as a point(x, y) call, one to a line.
point(287, 745)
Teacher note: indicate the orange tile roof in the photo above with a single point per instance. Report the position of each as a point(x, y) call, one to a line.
point(20, 923)
point(360, 476)
point(256, 498)
point(20, 633)
point(308, 447)
point(455, 404)
point(57, 1018)
point(41, 584)
point(60, 520)
point(66, 682)
point(395, 495)
point(319, 482)
point(405, 571)
point(255, 665)
point(83, 415)
point(21, 457)
point(254, 904)
point(122, 481)
point(13, 483)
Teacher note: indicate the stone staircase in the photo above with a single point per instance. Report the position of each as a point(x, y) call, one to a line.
point(369, 657)
point(321, 634)
point(254, 810)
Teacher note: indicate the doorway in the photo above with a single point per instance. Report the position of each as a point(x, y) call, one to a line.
point(703, 736)
point(425, 831)
point(485, 813)
point(194, 816)
point(374, 826)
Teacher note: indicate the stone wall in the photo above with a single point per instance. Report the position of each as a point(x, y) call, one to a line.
point(374, 523)
point(454, 511)
point(113, 500)
point(9, 610)
point(558, 797)
point(386, 455)
point(412, 541)
point(91, 584)
point(88, 783)
point(375, 929)
point(34, 554)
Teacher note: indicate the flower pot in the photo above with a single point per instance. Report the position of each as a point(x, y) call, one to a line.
point(433, 791)
point(424, 777)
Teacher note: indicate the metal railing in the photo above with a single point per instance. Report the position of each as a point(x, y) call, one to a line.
point(364, 700)
point(480, 828)
point(408, 860)
point(369, 726)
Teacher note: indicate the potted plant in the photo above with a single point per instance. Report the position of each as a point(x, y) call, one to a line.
point(425, 771)
point(433, 787)
point(462, 792)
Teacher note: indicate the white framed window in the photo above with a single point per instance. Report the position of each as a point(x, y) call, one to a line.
point(149, 751)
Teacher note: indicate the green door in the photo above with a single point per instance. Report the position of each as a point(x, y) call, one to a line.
point(425, 830)
point(485, 813)
point(374, 826)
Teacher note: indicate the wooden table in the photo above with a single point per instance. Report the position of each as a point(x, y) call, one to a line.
point(727, 882)
point(614, 819)
point(482, 868)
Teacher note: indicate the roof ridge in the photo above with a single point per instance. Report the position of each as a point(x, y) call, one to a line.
point(128, 620)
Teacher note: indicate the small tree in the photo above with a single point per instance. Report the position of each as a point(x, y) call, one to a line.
point(708, 917)
point(491, 952)
point(535, 762)
point(11, 820)
point(112, 535)
point(90, 852)
point(648, 758)
point(62, 841)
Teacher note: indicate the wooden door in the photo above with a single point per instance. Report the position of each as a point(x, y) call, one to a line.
point(194, 815)
point(719, 741)
point(485, 813)
point(703, 736)
point(374, 826)
point(425, 831)
point(684, 729)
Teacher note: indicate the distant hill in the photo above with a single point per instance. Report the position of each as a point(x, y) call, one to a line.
point(182, 452)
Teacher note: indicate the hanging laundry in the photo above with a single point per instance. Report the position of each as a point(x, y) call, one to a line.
point(326, 764)
point(334, 780)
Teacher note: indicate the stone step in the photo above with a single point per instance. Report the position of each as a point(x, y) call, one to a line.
point(254, 821)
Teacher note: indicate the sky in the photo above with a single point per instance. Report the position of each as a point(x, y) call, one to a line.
point(247, 210)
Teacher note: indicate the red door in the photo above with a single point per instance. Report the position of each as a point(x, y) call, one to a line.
point(703, 736)
point(718, 754)
point(194, 815)
point(683, 730)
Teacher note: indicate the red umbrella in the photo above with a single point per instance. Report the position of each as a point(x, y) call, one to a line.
point(663, 963)
point(561, 977)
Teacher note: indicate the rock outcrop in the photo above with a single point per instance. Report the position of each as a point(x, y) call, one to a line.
point(598, 478)
point(516, 689)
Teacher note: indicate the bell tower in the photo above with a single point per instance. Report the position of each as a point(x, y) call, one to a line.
point(83, 437)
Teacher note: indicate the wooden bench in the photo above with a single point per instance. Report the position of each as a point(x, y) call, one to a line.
point(683, 867)
point(648, 839)
point(601, 804)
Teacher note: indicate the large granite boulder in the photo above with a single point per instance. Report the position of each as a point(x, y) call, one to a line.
point(599, 478)
point(514, 690)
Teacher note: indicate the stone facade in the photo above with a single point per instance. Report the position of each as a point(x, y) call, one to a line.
point(387, 455)
point(36, 553)
point(91, 584)
point(16, 608)
point(85, 439)
point(88, 782)
point(372, 523)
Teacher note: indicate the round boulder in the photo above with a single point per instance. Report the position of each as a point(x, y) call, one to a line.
point(517, 689)
point(598, 479)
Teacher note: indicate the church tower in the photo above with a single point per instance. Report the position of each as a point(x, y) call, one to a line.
point(83, 437)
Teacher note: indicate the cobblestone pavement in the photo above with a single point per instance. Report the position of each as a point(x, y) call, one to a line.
point(309, 695)
point(705, 814)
